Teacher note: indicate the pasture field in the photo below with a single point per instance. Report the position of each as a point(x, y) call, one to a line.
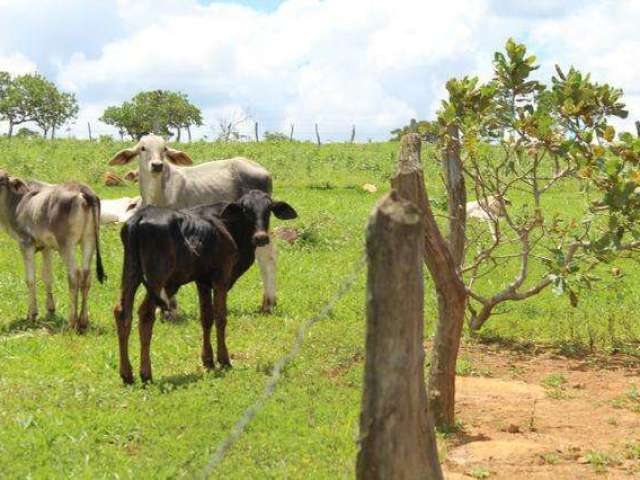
point(65, 413)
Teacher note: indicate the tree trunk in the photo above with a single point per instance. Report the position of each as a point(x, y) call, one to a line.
point(179, 134)
point(452, 301)
point(45, 132)
point(396, 432)
point(189, 132)
point(450, 289)
point(457, 195)
point(53, 132)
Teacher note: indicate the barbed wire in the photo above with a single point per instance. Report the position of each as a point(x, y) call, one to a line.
point(276, 374)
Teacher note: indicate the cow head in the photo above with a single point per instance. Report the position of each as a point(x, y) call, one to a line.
point(11, 184)
point(153, 155)
point(255, 207)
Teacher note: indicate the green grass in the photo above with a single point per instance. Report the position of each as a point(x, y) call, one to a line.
point(64, 412)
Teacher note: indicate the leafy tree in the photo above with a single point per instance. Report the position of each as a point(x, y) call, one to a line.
point(517, 138)
point(275, 137)
point(427, 130)
point(158, 111)
point(33, 98)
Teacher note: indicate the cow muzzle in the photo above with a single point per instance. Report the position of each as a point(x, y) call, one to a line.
point(260, 239)
point(156, 167)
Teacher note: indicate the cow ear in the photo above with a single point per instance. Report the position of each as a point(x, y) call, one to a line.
point(231, 210)
point(283, 211)
point(124, 156)
point(177, 157)
point(18, 186)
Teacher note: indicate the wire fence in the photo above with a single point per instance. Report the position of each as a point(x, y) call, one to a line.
point(276, 374)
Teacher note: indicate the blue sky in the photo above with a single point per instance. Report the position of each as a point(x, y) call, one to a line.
point(371, 63)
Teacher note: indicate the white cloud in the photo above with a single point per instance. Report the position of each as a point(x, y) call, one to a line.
point(373, 63)
point(16, 64)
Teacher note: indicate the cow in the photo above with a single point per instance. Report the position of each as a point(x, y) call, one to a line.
point(489, 210)
point(118, 210)
point(166, 179)
point(211, 245)
point(44, 217)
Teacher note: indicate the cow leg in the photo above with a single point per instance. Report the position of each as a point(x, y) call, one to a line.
point(47, 278)
point(220, 315)
point(266, 257)
point(73, 275)
point(123, 313)
point(206, 319)
point(146, 317)
point(88, 248)
point(28, 255)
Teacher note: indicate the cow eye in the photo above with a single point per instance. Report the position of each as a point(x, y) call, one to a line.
point(143, 149)
point(166, 149)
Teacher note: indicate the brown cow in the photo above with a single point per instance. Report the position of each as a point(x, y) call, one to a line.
point(43, 217)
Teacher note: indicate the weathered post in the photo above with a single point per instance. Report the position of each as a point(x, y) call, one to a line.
point(89, 127)
point(291, 134)
point(638, 128)
point(353, 134)
point(450, 290)
point(317, 135)
point(396, 433)
point(256, 130)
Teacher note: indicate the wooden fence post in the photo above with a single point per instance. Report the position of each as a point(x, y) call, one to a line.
point(291, 134)
point(396, 433)
point(89, 127)
point(256, 129)
point(638, 127)
point(353, 134)
point(317, 135)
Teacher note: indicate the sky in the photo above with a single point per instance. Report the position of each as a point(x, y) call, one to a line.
point(369, 63)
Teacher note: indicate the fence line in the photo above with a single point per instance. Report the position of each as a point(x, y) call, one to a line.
point(276, 374)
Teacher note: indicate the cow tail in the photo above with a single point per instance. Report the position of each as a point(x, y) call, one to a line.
point(94, 204)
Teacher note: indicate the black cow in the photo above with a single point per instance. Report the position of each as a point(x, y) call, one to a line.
point(212, 245)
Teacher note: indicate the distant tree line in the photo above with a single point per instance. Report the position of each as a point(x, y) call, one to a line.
point(31, 98)
point(160, 111)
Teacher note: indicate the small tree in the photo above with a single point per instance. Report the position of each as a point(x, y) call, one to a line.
point(516, 137)
point(275, 137)
point(158, 111)
point(15, 107)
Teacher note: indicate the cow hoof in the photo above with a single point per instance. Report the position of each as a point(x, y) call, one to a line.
point(51, 311)
point(81, 328)
point(127, 379)
point(208, 363)
point(268, 304)
point(32, 316)
point(170, 316)
point(146, 378)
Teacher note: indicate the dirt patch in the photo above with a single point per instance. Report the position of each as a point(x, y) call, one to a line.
point(545, 416)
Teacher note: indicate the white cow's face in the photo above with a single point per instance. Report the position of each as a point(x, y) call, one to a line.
point(153, 155)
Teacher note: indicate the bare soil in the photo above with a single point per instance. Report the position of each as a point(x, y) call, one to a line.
point(543, 416)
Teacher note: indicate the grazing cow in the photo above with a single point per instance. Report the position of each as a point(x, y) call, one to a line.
point(489, 210)
point(166, 182)
point(118, 210)
point(211, 245)
point(43, 217)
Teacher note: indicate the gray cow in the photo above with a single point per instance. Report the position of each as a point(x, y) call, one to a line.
point(43, 217)
point(166, 182)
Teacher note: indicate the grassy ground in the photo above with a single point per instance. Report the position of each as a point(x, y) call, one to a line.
point(64, 412)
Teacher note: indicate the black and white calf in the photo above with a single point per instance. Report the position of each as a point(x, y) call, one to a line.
point(211, 245)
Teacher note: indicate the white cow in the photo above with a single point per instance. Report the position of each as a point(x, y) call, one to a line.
point(166, 181)
point(488, 210)
point(44, 217)
point(118, 210)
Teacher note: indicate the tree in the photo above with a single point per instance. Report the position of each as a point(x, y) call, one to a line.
point(427, 130)
point(229, 126)
point(514, 134)
point(275, 137)
point(157, 111)
point(14, 103)
point(33, 98)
